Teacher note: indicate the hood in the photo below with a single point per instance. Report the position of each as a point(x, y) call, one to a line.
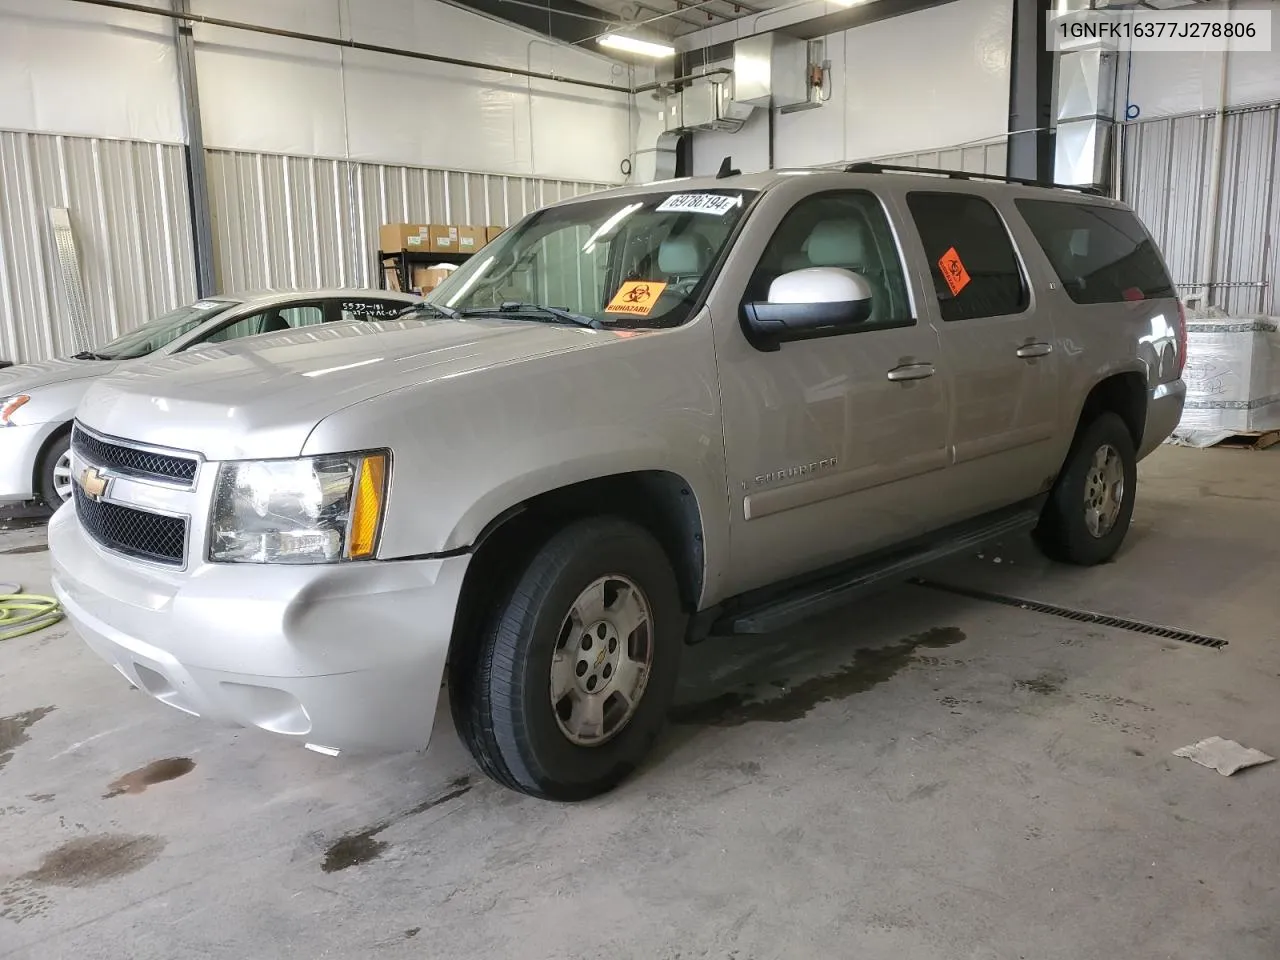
point(262, 396)
point(28, 376)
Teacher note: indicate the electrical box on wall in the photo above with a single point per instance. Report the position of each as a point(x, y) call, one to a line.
point(771, 70)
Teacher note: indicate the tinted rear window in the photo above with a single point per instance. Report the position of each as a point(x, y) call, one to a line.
point(967, 233)
point(1100, 254)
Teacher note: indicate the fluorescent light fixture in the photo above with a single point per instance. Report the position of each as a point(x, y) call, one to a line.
point(645, 48)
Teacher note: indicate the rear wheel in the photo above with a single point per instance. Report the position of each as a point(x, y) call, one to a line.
point(1087, 516)
point(55, 473)
point(568, 685)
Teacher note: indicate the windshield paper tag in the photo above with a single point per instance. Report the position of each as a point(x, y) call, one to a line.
point(636, 297)
point(715, 204)
point(205, 305)
point(953, 271)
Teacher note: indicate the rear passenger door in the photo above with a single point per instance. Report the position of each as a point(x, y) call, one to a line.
point(998, 348)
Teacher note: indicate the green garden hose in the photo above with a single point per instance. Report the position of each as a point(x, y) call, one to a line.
point(23, 613)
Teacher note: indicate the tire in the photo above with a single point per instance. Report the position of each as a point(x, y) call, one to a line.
point(52, 464)
point(1067, 531)
point(501, 691)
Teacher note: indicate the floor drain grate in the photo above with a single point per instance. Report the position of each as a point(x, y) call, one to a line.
point(1080, 616)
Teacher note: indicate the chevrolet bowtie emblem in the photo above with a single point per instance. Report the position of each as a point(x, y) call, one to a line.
point(93, 483)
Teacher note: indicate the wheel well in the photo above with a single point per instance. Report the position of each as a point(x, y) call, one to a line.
point(37, 467)
point(1124, 394)
point(660, 502)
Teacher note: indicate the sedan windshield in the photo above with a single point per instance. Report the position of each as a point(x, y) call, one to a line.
point(631, 261)
point(161, 331)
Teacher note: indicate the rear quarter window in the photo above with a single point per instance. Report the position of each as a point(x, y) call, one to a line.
point(1101, 255)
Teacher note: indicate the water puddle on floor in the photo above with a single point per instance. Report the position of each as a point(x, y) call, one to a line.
point(157, 771)
point(869, 668)
point(13, 731)
point(357, 848)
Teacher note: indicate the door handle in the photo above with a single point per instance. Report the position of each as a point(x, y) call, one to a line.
point(1032, 350)
point(911, 371)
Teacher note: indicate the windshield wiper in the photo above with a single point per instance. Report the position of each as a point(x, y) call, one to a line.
point(534, 311)
point(438, 310)
point(89, 355)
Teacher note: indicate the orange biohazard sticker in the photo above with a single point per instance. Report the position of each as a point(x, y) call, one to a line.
point(953, 271)
point(636, 297)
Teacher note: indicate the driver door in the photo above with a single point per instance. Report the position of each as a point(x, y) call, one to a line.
point(834, 446)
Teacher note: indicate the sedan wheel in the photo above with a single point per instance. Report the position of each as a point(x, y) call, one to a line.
point(62, 481)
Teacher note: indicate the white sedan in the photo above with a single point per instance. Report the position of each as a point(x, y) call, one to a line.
point(39, 400)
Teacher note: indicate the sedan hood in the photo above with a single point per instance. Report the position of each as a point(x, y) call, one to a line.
point(28, 376)
point(262, 396)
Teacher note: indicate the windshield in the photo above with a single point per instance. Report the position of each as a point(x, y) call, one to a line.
point(162, 331)
point(634, 261)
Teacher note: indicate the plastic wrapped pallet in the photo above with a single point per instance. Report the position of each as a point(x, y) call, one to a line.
point(1233, 378)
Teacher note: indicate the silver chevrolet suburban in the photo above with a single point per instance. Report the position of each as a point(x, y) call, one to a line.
point(638, 418)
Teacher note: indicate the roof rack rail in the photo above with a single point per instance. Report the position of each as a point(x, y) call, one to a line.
point(866, 167)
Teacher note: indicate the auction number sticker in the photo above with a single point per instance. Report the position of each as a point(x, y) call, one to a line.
point(636, 297)
point(716, 204)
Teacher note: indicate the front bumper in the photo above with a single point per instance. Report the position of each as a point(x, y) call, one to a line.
point(345, 656)
point(19, 447)
point(1164, 410)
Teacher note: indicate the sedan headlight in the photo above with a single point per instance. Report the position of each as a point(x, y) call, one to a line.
point(312, 510)
point(9, 406)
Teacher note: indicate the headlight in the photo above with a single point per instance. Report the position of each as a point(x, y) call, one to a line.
point(9, 406)
point(312, 510)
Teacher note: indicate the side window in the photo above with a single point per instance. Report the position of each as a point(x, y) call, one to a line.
point(1100, 254)
point(307, 315)
point(847, 229)
point(371, 309)
point(975, 271)
point(245, 327)
point(272, 320)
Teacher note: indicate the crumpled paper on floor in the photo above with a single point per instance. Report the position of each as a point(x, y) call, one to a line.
point(1225, 756)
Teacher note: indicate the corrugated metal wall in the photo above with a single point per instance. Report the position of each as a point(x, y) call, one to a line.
point(987, 156)
point(990, 157)
point(282, 221)
point(129, 212)
point(278, 222)
point(1165, 170)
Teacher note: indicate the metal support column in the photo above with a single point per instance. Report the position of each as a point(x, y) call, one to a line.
point(1030, 95)
point(197, 169)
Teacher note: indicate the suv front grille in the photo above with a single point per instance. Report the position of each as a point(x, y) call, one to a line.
point(128, 460)
point(136, 533)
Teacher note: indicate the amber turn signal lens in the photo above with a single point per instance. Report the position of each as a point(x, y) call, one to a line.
point(11, 407)
point(371, 488)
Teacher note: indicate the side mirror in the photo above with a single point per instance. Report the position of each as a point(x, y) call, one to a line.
point(809, 303)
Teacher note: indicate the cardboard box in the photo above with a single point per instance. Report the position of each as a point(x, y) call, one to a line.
point(471, 239)
point(425, 279)
point(442, 239)
point(394, 237)
point(492, 233)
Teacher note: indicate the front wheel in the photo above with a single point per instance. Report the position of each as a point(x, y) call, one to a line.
point(569, 683)
point(55, 473)
point(1088, 512)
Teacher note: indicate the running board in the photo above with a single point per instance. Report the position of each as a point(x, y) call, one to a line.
point(833, 591)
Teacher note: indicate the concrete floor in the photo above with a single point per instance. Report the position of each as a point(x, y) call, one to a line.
point(921, 776)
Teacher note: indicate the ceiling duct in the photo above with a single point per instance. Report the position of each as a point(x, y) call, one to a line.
point(771, 70)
